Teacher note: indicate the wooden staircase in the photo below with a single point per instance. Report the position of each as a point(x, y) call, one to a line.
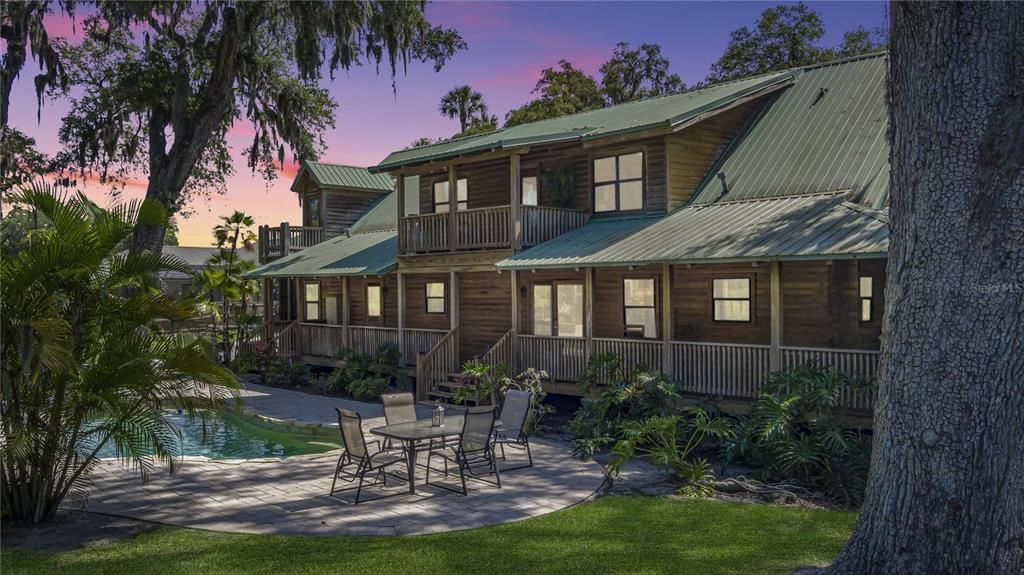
point(443, 392)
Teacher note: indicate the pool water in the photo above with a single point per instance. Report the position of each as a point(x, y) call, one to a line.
point(228, 436)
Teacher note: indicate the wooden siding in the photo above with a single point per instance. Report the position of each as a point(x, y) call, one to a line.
point(488, 184)
point(485, 311)
point(821, 304)
point(416, 316)
point(609, 310)
point(693, 151)
point(357, 294)
point(692, 307)
point(344, 208)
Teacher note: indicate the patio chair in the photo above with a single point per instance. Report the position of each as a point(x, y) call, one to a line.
point(356, 453)
point(474, 449)
point(513, 433)
point(398, 408)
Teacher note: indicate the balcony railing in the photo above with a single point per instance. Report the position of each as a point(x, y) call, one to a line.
point(282, 240)
point(486, 228)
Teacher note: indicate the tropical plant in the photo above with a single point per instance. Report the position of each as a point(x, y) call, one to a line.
point(670, 441)
point(224, 275)
point(84, 363)
point(795, 431)
point(368, 387)
point(560, 183)
point(637, 396)
point(286, 373)
point(465, 104)
point(490, 382)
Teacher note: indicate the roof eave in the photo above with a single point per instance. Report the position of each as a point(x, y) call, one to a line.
point(510, 265)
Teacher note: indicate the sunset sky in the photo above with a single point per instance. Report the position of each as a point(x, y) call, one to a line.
point(509, 44)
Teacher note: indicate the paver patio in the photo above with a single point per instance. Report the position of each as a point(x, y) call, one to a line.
point(290, 495)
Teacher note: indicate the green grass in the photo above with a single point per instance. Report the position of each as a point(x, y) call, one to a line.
point(632, 535)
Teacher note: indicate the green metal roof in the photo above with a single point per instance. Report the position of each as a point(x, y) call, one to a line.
point(382, 216)
point(664, 111)
point(342, 176)
point(810, 226)
point(371, 253)
point(825, 132)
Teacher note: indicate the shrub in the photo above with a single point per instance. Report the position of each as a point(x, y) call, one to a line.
point(642, 395)
point(368, 387)
point(492, 381)
point(795, 432)
point(284, 373)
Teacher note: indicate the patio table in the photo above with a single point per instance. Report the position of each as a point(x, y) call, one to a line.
point(412, 432)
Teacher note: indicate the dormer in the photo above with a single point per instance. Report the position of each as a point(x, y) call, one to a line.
point(334, 196)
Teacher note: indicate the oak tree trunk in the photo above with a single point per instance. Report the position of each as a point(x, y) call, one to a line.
point(946, 489)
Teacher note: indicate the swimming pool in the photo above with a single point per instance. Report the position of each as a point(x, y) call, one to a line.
point(228, 436)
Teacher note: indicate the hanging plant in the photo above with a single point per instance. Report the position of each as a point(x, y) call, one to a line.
point(560, 184)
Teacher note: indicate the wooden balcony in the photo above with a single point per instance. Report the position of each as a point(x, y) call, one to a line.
point(276, 242)
point(486, 228)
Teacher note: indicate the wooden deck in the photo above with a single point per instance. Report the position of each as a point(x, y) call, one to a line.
point(487, 228)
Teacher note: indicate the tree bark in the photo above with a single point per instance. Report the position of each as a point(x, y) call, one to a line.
point(946, 489)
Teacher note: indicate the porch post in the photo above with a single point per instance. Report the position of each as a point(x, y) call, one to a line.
point(515, 319)
point(286, 239)
point(775, 354)
point(400, 190)
point(588, 322)
point(453, 205)
point(666, 320)
point(401, 316)
point(453, 285)
point(346, 337)
point(515, 182)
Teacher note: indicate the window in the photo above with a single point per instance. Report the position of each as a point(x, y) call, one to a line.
point(435, 297)
point(411, 191)
point(313, 211)
point(731, 299)
point(558, 309)
point(442, 201)
point(867, 292)
point(529, 190)
point(638, 300)
point(373, 300)
point(542, 324)
point(312, 301)
point(619, 183)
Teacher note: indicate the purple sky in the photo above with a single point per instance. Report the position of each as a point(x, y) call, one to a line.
point(509, 44)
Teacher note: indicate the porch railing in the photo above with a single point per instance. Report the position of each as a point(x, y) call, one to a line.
point(542, 223)
point(728, 369)
point(482, 228)
point(434, 366)
point(418, 341)
point(500, 353)
point(426, 233)
point(321, 340)
point(857, 362)
point(633, 353)
point(564, 358)
point(367, 339)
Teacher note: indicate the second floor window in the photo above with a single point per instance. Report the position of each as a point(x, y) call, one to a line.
point(435, 297)
point(638, 301)
point(443, 199)
point(312, 301)
point(731, 299)
point(529, 190)
point(374, 307)
point(313, 211)
point(619, 183)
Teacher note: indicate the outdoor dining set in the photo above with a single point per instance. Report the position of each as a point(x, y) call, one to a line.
point(471, 443)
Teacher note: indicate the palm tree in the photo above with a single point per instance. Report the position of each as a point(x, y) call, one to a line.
point(464, 103)
point(85, 364)
point(225, 274)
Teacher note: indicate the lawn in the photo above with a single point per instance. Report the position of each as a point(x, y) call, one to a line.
point(637, 535)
